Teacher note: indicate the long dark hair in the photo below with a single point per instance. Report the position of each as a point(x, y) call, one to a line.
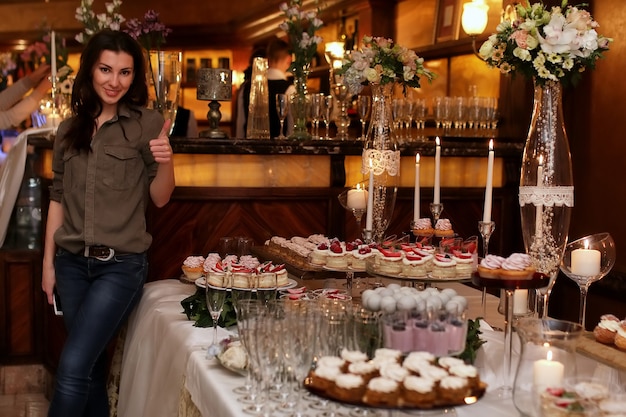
point(86, 104)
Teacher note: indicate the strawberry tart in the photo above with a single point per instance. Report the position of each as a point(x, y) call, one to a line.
point(337, 257)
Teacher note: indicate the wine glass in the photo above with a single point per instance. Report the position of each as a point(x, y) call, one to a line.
point(316, 113)
point(364, 106)
point(328, 111)
point(341, 94)
point(282, 108)
point(355, 200)
point(587, 260)
point(215, 297)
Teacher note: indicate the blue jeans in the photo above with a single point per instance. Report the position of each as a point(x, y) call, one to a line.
point(97, 297)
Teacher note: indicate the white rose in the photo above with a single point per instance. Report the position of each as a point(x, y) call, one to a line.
point(558, 38)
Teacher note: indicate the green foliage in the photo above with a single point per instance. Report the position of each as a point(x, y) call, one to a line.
point(473, 341)
point(195, 309)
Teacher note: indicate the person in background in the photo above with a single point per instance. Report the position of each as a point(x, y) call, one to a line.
point(243, 95)
point(279, 61)
point(109, 160)
point(14, 107)
point(185, 124)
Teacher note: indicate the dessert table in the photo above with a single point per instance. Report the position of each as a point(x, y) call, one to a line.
point(165, 371)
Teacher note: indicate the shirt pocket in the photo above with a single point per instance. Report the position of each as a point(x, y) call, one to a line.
point(70, 160)
point(122, 167)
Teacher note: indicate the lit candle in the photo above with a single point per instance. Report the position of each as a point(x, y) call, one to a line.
point(357, 198)
point(370, 199)
point(53, 56)
point(436, 198)
point(416, 198)
point(586, 262)
point(520, 302)
point(539, 209)
point(489, 186)
point(547, 373)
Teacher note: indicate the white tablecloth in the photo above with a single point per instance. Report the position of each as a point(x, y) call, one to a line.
point(165, 354)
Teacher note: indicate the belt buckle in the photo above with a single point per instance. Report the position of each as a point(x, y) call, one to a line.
point(100, 258)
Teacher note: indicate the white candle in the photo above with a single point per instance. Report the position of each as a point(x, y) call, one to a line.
point(370, 199)
point(539, 209)
point(436, 198)
point(53, 55)
point(586, 262)
point(357, 198)
point(547, 373)
point(520, 302)
point(489, 186)
point(416, 197)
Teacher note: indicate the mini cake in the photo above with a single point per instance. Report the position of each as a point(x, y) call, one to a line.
point(389, 261)
point(466, 371)
point(393, 371)
point(423, 227)
point(447, 362)
point(193, 267)
point(419, 391)
point(517, 266)
point(360, 256)
point(353, 356)
point(443, 228)
point(367, 370)
point(606, 329)
point(464, 264)
point(382, 392)
point(348, 387)
point(444, 267)
point(323, 377)
point(490, 266)
point(433, 372)
point(620, 337)
point(319, 254)
point(414, 265)
point(453, 389)
point(337, 256)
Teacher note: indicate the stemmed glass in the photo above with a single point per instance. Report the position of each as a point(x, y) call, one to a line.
point(282, 108)
point(355, 200)
point(215, 297)
point(486, 230)
point(587, 260)
point(328, 111)
point(316, 113)
point(364, 107)
point(341, 94)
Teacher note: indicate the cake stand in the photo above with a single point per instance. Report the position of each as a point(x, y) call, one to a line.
point(537, 280)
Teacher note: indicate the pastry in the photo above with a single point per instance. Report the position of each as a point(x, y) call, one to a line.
point(348, 387)
point(517, 266)
point(444, 267)
point(419, 392)
point(414, 265)
point(389, 261)
point(337, 256)
point(606, 329)
point(620, 336)
point(193, 267)
point(490, 266)
point(453, 389)
point(382, 392)
point(360, 256)
point(443, 228)
point(464, 264)
point(423, 227)
point(319, 254)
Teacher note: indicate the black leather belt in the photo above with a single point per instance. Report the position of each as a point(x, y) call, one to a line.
point(103, 253)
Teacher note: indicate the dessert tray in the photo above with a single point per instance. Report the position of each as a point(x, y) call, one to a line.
point(348, 269)
point(372, 269)
point(476, 394)
point(291, 283)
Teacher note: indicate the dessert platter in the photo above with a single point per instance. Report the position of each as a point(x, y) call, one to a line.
point(390, 380)
point(291, 283)
point(511, 273)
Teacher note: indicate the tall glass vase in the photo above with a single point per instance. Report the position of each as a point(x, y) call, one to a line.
point(298, 103)
point(546, 193)
point(164, 75)
point(381, 162)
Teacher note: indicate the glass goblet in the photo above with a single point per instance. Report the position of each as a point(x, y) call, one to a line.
point(364, 107)
point(587, 260)
point(282, 108)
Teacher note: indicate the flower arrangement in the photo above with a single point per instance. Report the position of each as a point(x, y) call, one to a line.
point(149, 32)
point(556, 45)
point(111, 19)
point(380, 61)
point(300, 27)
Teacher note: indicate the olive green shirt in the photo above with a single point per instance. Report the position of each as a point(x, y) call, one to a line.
point(105, 193)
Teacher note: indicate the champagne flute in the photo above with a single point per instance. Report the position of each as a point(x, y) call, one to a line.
point(328, 111)
point(364, 105)
point(316, 113)
point(282, 108)
point(215, 297)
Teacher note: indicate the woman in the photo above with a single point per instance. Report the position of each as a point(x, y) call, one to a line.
point(13, 109)
point(108, 158)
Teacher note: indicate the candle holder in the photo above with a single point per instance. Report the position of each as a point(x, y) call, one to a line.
point(357, 211)
point(547, 360)
point(486, 230)
point(436, 209)
point(587, 260)
point(368, 236)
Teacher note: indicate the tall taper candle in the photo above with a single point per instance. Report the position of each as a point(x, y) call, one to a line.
point(436, 198)
point(416, 198)
point(489, 186)
point(53, 55)
point(370, 200)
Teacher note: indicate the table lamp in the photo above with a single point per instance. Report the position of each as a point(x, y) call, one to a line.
point(215, 85)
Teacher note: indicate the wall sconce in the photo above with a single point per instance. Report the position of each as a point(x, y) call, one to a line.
point(214, 84)
point(474, 20)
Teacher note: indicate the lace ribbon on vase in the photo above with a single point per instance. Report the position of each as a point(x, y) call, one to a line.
point(546, 196)
point(385, 160)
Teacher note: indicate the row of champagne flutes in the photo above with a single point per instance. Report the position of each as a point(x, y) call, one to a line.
point(465, 112)
point(283, 340)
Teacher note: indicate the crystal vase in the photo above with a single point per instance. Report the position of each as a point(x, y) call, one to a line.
point(546, 193)
point(298, 104)
point(164, 75)
point(381, 162)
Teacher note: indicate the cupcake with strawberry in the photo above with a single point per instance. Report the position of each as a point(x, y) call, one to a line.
point(337, 256)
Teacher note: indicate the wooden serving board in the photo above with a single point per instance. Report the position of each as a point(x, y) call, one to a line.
point(606, 354)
